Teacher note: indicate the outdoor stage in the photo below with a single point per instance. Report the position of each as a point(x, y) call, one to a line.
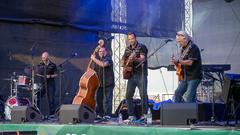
point(175, 119)
point(112, 128)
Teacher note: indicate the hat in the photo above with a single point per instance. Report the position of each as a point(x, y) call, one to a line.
point(185, 34)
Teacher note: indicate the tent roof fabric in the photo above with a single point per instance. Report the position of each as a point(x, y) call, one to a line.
point(147, 18)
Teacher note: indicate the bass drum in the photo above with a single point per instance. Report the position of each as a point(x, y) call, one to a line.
point(14, 101)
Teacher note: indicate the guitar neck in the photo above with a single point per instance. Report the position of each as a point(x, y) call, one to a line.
point(89, 64)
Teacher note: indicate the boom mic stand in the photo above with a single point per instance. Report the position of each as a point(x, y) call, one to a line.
point(61, 70)
point(142, 63)
point(163, 44)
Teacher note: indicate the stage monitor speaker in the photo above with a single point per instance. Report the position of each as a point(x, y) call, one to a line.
point(72, 113)
point(20, 114)
point(178, 113)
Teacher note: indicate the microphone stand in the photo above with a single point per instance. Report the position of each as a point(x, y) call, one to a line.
point(33, 73)
point(60, 71)
point(163, 44)
point(141, 64)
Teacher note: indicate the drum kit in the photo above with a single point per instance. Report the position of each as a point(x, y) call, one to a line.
point(18, 82)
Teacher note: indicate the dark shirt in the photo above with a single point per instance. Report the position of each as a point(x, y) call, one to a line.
point(105, 74)
point(51, 69)
point(195, 70)
point(139, 49)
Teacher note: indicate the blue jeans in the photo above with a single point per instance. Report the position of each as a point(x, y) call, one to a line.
point(137, 80)
point(188, 89)
point(104, 100)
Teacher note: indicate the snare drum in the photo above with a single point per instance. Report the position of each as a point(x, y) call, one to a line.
point(14, 101)
point(23, 80)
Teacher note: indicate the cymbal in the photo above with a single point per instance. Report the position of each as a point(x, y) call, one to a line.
point(7, 79)
point(28, 70)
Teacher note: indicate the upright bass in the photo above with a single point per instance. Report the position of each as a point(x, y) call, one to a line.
point(88, 86)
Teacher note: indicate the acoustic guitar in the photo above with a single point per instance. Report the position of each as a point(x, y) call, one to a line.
point(178, 66)
point(128, 67)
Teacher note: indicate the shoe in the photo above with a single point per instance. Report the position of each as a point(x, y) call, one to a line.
point(130, 120)
point(106, 118)
point(51, 116)
point(142, 121)
point(99, 117)
point(46, 117)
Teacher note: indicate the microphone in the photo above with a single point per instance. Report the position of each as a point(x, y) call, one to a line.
point(110, 38)
point(168, 40)
point(33, 47)
point(10, 56)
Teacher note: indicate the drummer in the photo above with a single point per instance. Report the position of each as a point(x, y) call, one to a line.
point(47, 71)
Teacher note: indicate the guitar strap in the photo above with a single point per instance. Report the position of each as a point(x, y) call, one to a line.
point(185, 51)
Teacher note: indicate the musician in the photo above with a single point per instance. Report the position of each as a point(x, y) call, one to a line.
point(136, 53)
point(191, 64)
point(103, 65)
point(47, 71)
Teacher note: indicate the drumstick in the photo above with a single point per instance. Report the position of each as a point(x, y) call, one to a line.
point(39, 75)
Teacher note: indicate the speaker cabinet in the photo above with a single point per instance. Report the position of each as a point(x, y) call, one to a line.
point(22, 114)
point(72, 113)
point(178, 113)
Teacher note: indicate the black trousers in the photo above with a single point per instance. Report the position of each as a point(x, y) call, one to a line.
point(49, 95)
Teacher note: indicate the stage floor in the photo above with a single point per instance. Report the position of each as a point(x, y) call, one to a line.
point(113, 128)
